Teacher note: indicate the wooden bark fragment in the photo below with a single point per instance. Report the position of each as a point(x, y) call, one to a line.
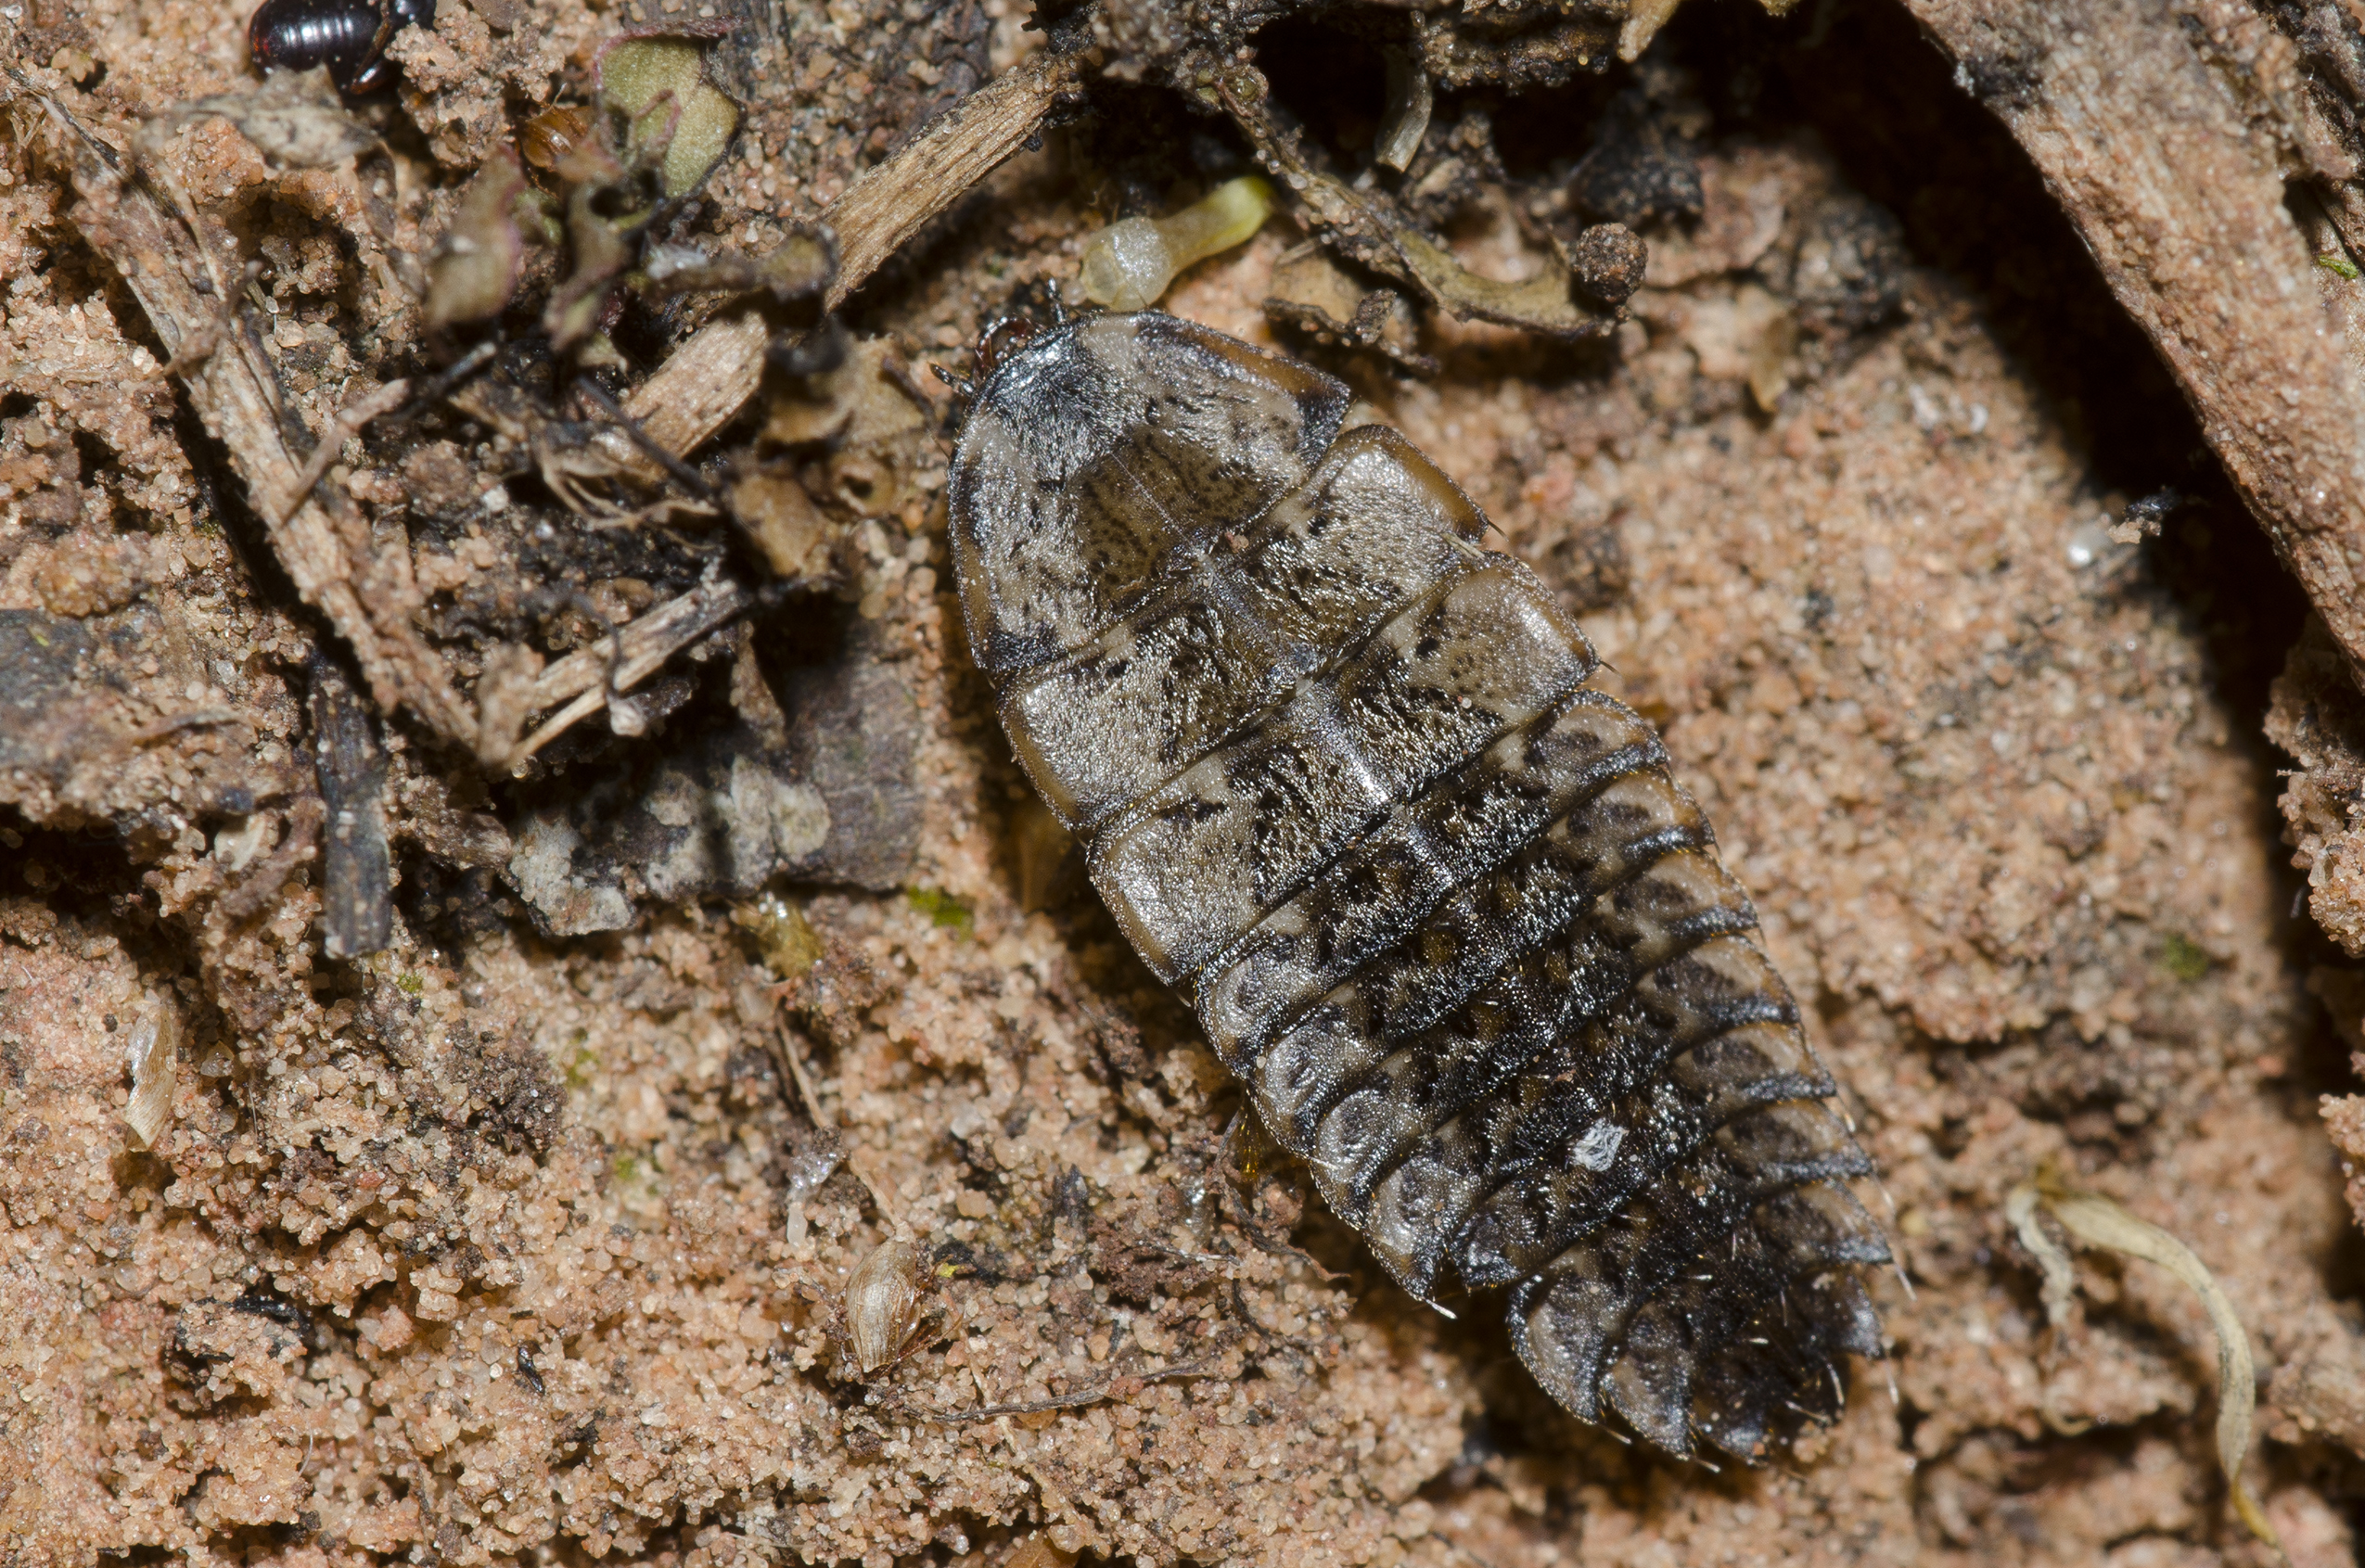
point(709, 377)
point(357, 909)
point(694, 393)
point(318, 535)
point(2169, 130)
point(890, 203)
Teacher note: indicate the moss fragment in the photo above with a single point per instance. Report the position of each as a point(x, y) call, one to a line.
point(2184, 958)
point(943, 910)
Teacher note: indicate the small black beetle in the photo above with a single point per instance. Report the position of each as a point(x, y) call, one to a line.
point(348, 36)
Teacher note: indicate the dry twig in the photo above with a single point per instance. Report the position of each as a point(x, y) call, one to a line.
point(1115, 1387)
point(323, 542)
point(347, 424)
point(615, 665)
point(889, 204)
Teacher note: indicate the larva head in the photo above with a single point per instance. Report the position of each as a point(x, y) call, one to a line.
point(1078, 439)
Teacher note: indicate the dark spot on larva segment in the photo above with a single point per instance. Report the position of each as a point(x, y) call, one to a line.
point(1339, 776)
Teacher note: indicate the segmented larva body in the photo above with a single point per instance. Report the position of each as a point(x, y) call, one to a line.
point(1438, 903)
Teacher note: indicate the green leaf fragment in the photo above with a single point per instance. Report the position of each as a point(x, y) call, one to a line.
point(677, 120)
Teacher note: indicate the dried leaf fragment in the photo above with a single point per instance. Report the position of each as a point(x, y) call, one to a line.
point(153, 1054)
point(615, 665)
point(600, 238)
point(2100, 1222)
point(476, 267)
point(797, 541)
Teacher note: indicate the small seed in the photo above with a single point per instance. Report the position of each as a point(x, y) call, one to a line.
point(879, 1298)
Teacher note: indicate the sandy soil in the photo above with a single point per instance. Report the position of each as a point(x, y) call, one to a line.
point(498, 1246)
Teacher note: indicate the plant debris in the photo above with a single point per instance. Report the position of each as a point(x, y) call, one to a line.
point(674, 116)
point(1128, 265)
point(152, 1053)
point(357, 870)
point(1313, 295)
point(2098, 1221)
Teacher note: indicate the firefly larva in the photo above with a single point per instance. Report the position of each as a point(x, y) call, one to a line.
point(1442, 906)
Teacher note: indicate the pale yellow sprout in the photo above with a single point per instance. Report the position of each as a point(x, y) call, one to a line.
point(2098, 1221)
point(1129, 264)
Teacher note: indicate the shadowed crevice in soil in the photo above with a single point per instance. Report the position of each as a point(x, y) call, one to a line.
point(1884, 101)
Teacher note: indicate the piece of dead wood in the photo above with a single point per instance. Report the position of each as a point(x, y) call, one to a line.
point(693, 394)
point(596, 675)
point(322, 539)
point(356, 906)
point(2146, 122)
point(889, 204)
point(709, 378)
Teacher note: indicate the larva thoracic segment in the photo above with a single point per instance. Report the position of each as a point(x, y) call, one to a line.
point(1439, 904)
